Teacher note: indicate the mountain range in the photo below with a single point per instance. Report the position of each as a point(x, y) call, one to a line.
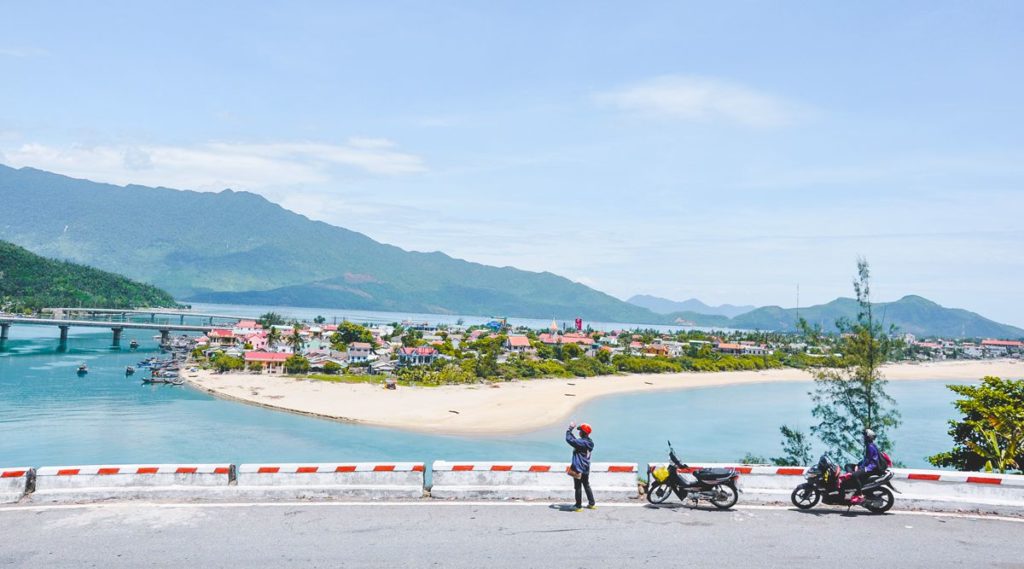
point(238, 247)
point(660, 305)
point(912, 314)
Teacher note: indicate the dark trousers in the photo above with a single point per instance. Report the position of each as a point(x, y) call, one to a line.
point(856, 481)
point(583, 483)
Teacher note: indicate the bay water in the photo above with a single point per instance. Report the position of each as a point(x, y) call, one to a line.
point(51, 416)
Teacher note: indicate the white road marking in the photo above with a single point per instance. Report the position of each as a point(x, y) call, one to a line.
point(439, 503)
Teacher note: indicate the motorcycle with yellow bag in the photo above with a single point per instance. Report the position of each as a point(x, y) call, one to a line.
point(716, 485)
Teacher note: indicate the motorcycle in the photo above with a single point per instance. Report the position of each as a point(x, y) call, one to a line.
point(825, 484)
point(716, 485)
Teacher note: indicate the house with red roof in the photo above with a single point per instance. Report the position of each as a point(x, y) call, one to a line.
point(268, 362)
point(222, 337)
point(1002, 347)
point(417, 356)
point(518, 344)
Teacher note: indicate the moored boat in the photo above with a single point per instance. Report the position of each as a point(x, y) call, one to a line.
point(129, 370)
point(83, 369)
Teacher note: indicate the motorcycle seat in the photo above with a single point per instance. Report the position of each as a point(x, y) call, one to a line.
point(713, 473)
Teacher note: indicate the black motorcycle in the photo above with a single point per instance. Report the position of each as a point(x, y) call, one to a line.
point(825, 484)
point(716, 485)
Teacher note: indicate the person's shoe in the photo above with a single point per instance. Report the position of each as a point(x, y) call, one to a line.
point(856, 500)
point(592, 507)
point(577, 508)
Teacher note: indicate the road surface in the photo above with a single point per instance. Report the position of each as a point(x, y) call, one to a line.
point(481, 535)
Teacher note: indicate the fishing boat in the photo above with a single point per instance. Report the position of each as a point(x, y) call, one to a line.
point(129, 370)
point(133, 344)
point(164, 380)
point(83, 369)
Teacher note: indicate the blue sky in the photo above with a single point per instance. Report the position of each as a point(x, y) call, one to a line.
point(728, 152)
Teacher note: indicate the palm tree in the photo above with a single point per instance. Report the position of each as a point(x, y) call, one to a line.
point(295, 340)
point(273, 337)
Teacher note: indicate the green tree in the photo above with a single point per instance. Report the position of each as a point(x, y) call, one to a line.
point(296, 341)
point(319, 320)
point(570, 351)
point(796, 447)
point(349, 332)
point(224, 363)
point(296, 365)
point(852, 397)
point(990, 434)
point(331, 368)
point(268, 319)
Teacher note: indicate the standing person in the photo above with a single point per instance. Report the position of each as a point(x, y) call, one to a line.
point(581, 449)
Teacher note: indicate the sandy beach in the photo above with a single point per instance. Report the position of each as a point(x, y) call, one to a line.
point(518, 406)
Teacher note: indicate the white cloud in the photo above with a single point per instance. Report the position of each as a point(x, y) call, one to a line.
point(217, 165)
point(702, 99)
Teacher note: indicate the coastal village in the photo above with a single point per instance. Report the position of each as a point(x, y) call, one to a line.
point(389, 349)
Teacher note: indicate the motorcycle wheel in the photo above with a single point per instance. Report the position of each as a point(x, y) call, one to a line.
point(805, 496)
point(727, 498)
point(658, 492)
point(879, 500)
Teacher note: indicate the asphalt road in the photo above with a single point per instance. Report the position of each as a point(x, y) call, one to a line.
point(495, 535)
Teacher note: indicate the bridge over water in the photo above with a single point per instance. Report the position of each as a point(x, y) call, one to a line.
point(117, 327)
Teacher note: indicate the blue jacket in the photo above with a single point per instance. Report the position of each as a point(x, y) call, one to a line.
point(871, 458)
point(581, 448)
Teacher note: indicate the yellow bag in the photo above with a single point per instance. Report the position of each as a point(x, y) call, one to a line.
point(660, 473)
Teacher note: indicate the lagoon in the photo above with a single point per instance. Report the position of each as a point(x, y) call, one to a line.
point(50, 416)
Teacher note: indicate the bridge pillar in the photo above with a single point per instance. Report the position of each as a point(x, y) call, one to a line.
point(165, 337)
point(63, 337)
point(117, 337)
point(181, 320)
point(4, 330)
point(152, 317)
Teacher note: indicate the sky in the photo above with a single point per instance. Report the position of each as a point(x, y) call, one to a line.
point(729, 151)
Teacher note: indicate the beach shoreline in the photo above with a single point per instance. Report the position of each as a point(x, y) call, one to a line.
point(518, 406)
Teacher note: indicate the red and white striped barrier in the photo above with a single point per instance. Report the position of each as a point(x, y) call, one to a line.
point(921, 487)
point(128, 481)
point(529, 480)
point(332, 480)
point(13, 483)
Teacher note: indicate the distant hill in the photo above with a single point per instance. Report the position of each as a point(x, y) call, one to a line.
point(660, 305)
point(912, 314)
point(30, 281)
point(239, 247)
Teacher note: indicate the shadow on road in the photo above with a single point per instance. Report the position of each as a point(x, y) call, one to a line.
point(844, 512)
point(684, 506)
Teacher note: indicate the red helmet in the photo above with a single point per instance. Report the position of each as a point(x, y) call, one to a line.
point(585, 428)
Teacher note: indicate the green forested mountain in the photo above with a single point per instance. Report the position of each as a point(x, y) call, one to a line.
point(198, 244)
point(912, 314)
point(30, 281)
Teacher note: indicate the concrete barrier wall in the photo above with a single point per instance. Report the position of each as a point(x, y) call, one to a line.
point(14, 483)
point(529, 480)
point(130, 481)
point(331, 480)
point(933, 489)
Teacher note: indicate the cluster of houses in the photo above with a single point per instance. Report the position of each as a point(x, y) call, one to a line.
point(250, 341)
point(942, 349)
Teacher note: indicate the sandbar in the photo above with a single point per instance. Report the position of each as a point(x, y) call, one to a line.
point(517, 406)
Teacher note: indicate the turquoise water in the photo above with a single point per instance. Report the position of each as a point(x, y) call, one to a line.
point(50, 416)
